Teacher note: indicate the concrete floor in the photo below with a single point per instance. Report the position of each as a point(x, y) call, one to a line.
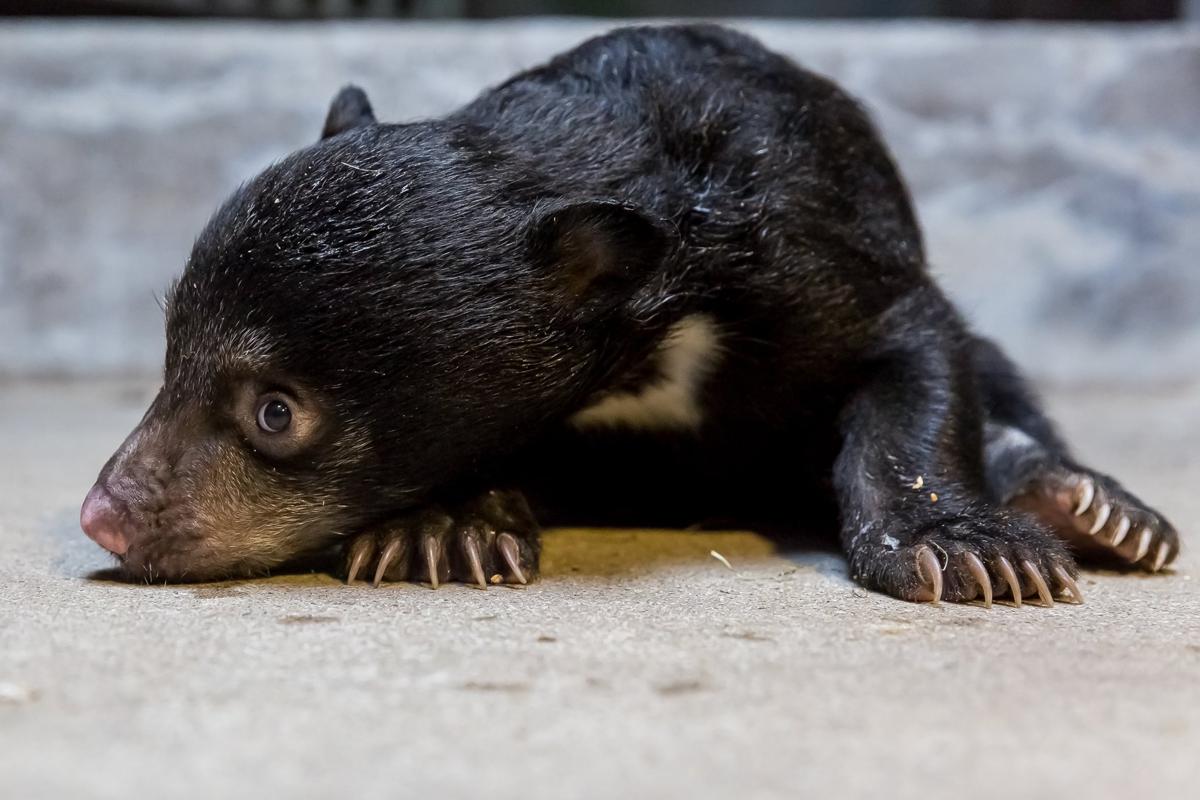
point(639, 667)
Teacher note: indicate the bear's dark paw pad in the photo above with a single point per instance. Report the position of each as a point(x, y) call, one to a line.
point(1099, 517)
point(492, 540)
point(973, 560)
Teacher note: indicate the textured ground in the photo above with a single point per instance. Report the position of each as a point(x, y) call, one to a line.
point(639, 667)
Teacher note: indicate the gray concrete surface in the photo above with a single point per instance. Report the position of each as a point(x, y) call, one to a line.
point(1057, 169)
point(639, 667)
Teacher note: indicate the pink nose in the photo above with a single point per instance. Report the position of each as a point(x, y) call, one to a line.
point(103, 522)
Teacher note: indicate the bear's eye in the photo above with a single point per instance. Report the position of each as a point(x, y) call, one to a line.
point(274, 416)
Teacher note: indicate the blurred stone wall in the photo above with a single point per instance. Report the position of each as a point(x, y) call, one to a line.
point(1057, 169)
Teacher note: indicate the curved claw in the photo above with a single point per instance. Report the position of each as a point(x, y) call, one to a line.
point(1010, 577)
point(360, 551)
point(1086, 497)
point(386, 558)
point(1068, 583)
point(506, 543)
point(470, 549)
point(1160, 558)
point(930, 571)
point(1121, 532)
point(975, 567)
point(1039, 583)
point(1143, 546)
point(1101, 519)
point(432, 555)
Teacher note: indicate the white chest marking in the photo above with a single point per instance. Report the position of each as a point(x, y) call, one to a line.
point(688, 354)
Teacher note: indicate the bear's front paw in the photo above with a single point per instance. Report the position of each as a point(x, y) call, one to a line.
point(976, 556)
point(1100, 518)
point(492, 539)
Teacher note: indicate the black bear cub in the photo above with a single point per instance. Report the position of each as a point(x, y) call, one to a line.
point(667, 277)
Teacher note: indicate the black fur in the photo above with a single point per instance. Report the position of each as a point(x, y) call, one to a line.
point(453, 290)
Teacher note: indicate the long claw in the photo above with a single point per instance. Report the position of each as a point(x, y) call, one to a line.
point(1143, 544)
point(975, 567)
point(1121, 532)
point(1101, 518)
point(360, 551)
point(1068, 583)
point(471, 551)
point(386, 558)
point(1039, 583)
point(1085, 500)
point(930, 571)
point(511, 551)
point(1160, 557)
point(1010, 577)
point(432, 553)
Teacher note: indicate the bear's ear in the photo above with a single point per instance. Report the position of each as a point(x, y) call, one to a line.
point(349, 109)
point(598, 250)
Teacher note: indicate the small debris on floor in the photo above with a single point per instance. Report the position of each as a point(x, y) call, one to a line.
point(14, 694)
point(749, 636)
point(494, 686)
point(680, 687)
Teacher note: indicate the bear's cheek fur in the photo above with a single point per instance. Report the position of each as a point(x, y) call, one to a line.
point(203, 507)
